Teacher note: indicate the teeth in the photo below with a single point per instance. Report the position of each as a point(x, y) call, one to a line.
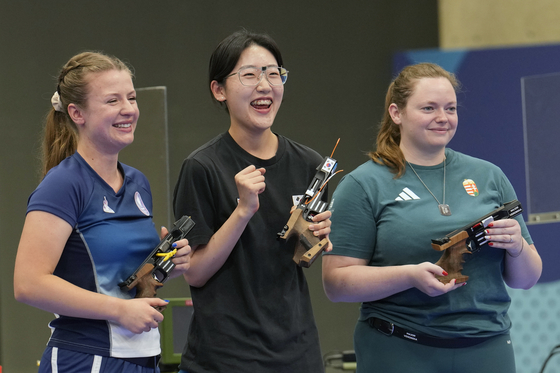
point(122, 125)
point(262, 102)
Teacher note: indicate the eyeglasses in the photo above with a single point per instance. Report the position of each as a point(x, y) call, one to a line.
point(251, 76)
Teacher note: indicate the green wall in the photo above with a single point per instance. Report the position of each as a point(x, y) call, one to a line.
point(339, 57)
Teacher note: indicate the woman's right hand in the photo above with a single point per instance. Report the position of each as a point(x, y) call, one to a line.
point(423, 278)
point(250, 183)
point(139, 315)
point(205, 260)
point(348, 279)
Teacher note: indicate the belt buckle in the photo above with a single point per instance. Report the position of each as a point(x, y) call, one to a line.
point(386, 327)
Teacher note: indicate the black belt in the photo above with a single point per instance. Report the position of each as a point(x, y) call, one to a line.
point(389, 329)
point(148, 362)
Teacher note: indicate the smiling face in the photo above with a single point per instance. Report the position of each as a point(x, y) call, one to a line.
point(251, 109)
point(108, 121)
point(429, 120)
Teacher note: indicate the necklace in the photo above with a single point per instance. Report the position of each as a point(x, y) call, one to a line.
point(443, 207)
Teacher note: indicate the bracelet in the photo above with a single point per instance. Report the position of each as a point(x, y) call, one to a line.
point(522, 246)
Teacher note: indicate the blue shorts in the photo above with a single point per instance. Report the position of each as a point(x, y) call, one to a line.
point(377, 352)
point(58, 360)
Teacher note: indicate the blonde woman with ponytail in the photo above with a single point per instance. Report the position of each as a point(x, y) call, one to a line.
point(89, 226)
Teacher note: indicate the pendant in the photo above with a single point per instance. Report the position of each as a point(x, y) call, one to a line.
point(444, 209)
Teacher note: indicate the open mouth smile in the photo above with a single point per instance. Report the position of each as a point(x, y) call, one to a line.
point(261, 103)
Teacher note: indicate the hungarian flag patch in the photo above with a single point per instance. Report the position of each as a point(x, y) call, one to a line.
point(470, 187)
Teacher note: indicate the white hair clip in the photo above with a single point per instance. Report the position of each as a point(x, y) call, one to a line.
point(57, 102)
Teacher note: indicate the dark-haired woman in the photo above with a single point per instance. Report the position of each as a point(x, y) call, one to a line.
point(385, 214)
point(89, 226)
point(252, 310)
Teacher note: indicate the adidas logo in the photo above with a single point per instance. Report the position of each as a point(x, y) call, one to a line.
point(406, 195)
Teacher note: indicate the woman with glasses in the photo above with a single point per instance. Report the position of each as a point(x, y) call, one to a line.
point(387, 211)
point(252, 310)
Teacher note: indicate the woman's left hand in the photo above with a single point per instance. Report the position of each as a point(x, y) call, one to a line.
point(523, 265)
point(181, 259)
point(322, 227)
point(505, 234)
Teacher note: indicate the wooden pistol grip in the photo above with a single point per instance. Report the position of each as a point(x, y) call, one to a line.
point(146, 285)
point(452, 262)
point(308, 246)
point(292, 223)
point(310, 255)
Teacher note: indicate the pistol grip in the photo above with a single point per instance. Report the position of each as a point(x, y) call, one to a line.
point(291, 226)
point(145, 283)
point(452, 262)
point(308, 246)
point(147, 287)
point(308, 257)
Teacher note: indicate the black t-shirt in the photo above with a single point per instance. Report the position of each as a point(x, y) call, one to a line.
point(254, 314)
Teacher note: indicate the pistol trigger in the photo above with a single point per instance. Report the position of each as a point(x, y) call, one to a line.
point(472, 246)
